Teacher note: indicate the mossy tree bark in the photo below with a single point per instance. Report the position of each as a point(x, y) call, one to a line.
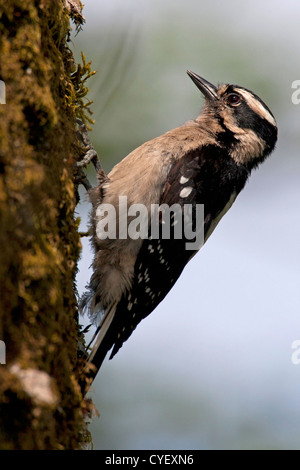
point(41, 406)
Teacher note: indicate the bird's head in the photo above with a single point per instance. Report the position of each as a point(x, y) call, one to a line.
point(239, 119)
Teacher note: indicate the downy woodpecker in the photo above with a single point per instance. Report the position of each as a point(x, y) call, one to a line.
point(207, 162)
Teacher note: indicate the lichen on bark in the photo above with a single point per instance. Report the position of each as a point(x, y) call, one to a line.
point(40, 402)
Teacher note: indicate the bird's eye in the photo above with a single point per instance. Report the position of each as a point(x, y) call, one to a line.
point(234, 99)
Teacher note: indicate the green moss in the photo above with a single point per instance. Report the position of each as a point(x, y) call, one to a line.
point(45, 92)
point(79, 77)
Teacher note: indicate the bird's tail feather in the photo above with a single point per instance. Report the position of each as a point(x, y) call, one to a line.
point(103, 329)
point(103, 343)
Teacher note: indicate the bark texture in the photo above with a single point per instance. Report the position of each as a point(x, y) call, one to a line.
point(40, 402)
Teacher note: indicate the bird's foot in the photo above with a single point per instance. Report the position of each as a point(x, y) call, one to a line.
point(90, 156)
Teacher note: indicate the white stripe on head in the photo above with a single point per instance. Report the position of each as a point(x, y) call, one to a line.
point(256, 106)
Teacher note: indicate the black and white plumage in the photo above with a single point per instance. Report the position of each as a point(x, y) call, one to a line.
point(206, 161)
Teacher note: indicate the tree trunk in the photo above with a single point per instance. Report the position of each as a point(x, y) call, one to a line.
point(41, 406)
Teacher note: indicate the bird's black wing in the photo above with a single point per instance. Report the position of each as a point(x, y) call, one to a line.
point(201, 177)
point(160, 260)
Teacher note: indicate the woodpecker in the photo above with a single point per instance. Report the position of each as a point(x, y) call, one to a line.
point(207, 162)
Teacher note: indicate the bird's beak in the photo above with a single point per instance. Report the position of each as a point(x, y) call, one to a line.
point(208, 89)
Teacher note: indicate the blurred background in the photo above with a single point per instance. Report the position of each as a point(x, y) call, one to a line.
point(211, 367)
